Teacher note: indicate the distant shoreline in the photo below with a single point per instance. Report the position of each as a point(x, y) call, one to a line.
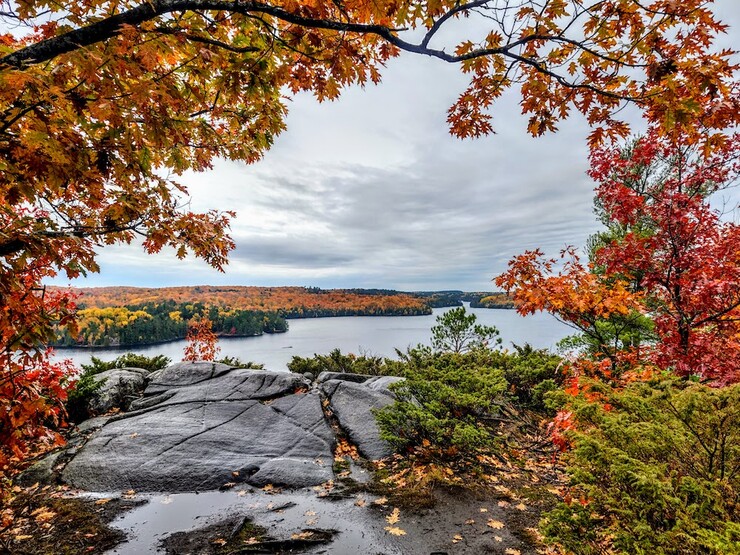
point(153, 343)
point(236, 336)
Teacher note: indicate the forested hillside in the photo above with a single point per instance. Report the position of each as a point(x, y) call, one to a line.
point(119, 316)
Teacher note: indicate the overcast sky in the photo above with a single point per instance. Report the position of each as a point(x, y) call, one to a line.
point(371, 191)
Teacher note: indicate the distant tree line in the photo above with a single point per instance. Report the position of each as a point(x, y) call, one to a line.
point(157, 322)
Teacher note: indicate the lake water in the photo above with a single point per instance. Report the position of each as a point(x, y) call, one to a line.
point(377, 335)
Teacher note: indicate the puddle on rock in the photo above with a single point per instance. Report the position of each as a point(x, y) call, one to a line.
point(281, 514)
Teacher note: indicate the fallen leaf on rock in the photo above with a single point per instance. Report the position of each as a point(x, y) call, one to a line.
point(395, 531)
point(470, 521)
point(312, 521)
point(394, 517)
point(309, 513)
point(503, 504)
point(510, 551)
point(521, 507)
point(498, 538)
point(457, 538)
point(219, 541)
point(483, 510)
point(495, 524)
point(103, 501)
point(129, 494)
point(360, 502)
point(305, 535)
point(380, 501)
point(135, 434)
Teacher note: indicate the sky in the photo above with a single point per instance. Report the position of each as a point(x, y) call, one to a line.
point(372, 191)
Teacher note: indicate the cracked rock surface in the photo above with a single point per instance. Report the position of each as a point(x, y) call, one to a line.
point(201, 425)
point(352, 404)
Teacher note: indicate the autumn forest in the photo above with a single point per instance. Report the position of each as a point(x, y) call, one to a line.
point(127, 316)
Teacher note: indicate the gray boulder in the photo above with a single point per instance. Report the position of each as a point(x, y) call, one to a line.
point(201, 425)
point(352, 404)
point(119, 388)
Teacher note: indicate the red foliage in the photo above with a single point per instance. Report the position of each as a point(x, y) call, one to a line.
point(678, 250)
point(32, 387)
point(672, 258)
point(32, 395)
point(202, 342)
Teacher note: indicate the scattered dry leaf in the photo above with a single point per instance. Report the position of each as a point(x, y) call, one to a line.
point(43, 514)
point(495, 524)
point(394, 517)
point(380, 501)
point(395, 531)
point(457, 538)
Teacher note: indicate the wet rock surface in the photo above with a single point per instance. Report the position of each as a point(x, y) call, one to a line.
point(201, 425)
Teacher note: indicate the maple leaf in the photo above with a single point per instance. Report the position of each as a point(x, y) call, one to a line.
point(495, 524)
point(394, 531)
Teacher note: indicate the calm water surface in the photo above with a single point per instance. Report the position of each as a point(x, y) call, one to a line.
point(377, 335)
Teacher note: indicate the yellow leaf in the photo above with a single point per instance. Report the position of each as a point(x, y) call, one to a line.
point(495, 524)
point(457, 538)
point(395, 531)
point(510, 551)
point(394, 517)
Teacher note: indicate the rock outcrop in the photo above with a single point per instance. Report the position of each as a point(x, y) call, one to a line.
point(201, 425)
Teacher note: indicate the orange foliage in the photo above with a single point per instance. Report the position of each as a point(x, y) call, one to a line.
point(295, 299)
point(202, 342)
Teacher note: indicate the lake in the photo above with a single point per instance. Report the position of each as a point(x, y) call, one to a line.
point(377, 335)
